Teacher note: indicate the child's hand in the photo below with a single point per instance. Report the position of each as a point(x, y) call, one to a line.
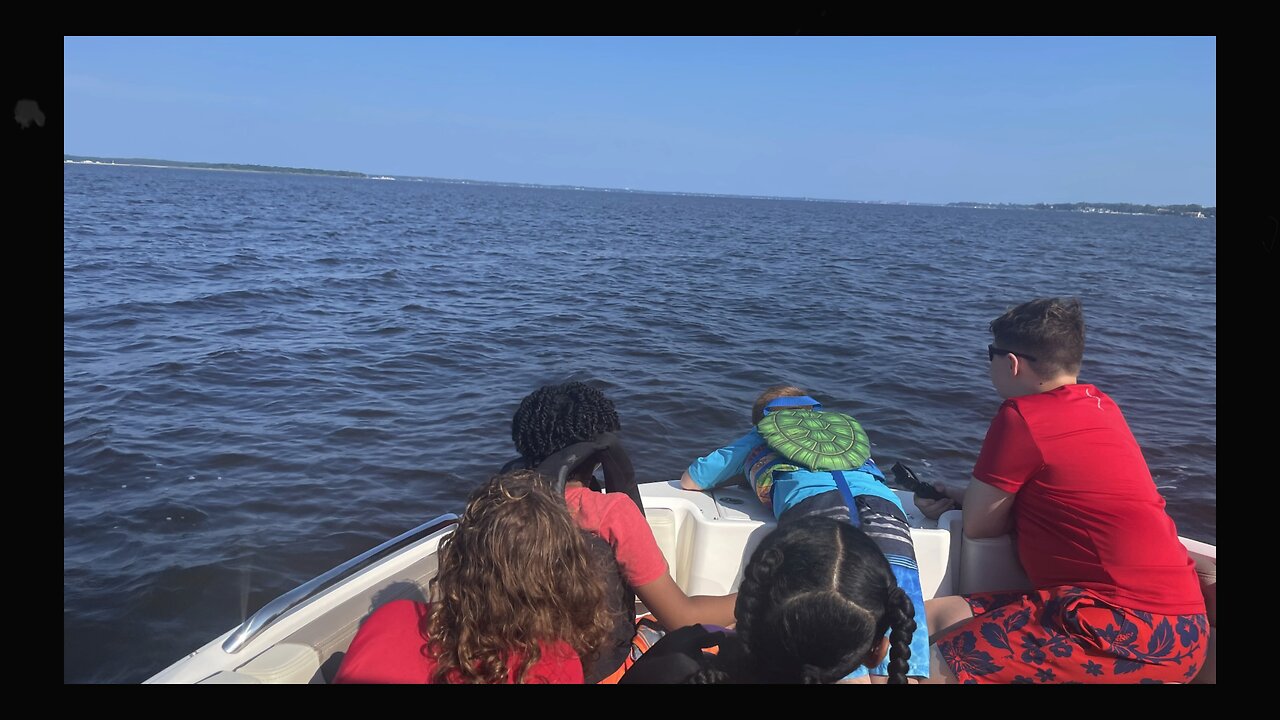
point(932, 509)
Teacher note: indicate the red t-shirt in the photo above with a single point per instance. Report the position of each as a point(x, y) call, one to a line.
point(388, 648)
point(1086, 510)
point(614, 517)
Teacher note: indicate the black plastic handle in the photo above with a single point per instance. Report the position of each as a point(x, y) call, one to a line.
point(909, 481)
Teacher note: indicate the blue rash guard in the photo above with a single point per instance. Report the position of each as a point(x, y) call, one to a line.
point(789, 488)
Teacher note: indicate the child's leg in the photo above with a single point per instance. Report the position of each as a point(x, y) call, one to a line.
point(941, 672)
point(1207, 569)
point(944, 613)
point(886, 525)
point(1069, 635)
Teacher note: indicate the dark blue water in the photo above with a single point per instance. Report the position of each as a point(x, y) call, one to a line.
point(265, 374)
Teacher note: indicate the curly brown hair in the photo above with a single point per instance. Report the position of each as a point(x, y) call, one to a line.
point(514, 577)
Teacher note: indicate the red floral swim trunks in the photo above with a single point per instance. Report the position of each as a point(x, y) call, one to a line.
point(1070, 634)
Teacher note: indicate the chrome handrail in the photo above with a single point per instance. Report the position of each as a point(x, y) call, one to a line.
point(265, 617)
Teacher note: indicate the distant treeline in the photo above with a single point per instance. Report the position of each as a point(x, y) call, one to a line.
point(1101, 207)
point(214, 166)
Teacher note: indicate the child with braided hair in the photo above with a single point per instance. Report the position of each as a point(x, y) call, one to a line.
point(816, 601)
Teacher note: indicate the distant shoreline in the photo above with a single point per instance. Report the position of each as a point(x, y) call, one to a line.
point(233, 167)
point(1193, 211)
point(1190, 210)
point(162, 167)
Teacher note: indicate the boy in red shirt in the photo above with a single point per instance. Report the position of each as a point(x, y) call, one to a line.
point(1116, 596)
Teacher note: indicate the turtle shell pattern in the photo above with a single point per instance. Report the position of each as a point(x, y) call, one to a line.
point(816, 439)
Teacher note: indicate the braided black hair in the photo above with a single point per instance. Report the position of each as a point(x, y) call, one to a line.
point(554, 417)
point(815, 599)
point(902, 619)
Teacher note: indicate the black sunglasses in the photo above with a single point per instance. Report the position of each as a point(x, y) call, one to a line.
point(993, 351)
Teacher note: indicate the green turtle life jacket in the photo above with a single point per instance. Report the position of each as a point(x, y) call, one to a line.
point(803, 439)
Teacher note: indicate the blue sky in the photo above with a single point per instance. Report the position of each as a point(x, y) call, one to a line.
point(932, 120)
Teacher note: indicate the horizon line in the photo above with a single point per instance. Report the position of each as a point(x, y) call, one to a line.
point(629, 190)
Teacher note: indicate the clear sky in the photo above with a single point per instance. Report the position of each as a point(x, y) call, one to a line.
point(932, 120)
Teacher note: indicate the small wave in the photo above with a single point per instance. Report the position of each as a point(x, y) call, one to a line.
point(112, 324)
point(369, 413)
point(361, 434)
point(168, 368)
point(93, 456)
point(232, 460)
point(90, 265)
point(255, 329)
point(236, 299)
point(168, 517)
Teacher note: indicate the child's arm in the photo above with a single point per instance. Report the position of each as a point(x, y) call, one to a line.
point(720, 467)
point(645, 568)
point(687, 482)
point(1008, 459)
point(987, 510)
point(673, 609)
